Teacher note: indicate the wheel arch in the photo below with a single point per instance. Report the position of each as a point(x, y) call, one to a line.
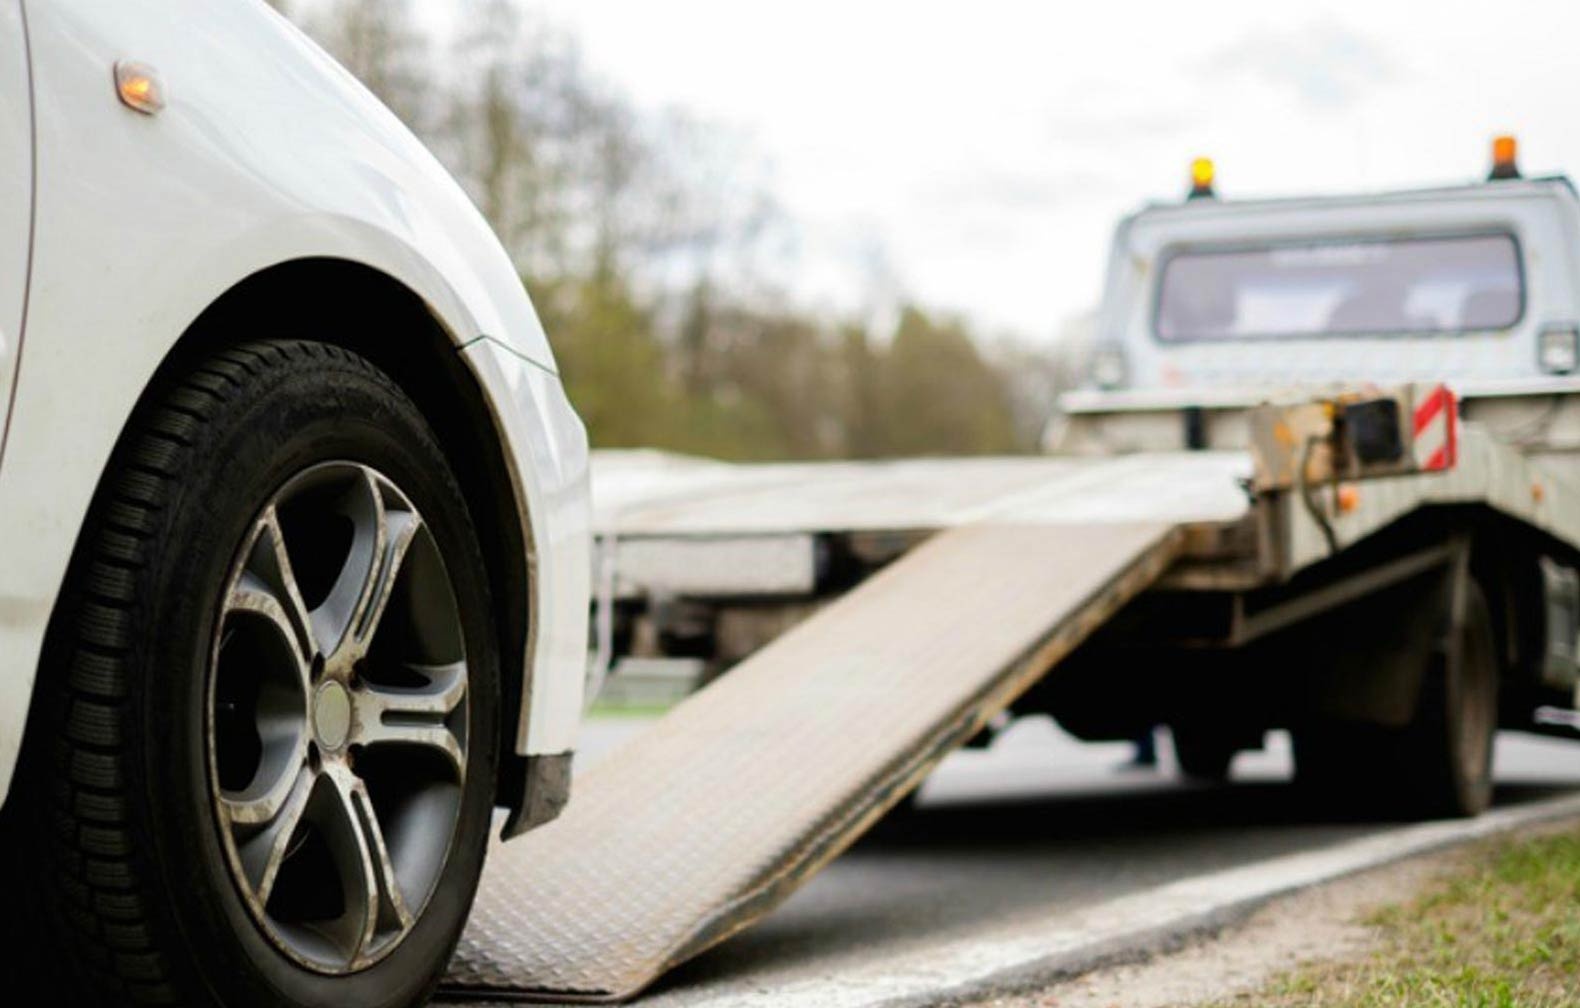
point(370, 313)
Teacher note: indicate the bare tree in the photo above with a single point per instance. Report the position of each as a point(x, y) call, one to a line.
point(377, 41)
point(638, 229)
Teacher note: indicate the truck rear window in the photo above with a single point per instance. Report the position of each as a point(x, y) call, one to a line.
point(1366, 286)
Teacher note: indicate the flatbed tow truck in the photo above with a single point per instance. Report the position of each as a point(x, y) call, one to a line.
point(1382, 561)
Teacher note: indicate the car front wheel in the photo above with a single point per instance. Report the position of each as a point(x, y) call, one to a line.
point(262, 756)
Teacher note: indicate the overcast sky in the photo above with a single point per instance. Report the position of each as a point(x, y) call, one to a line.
point(980, 152)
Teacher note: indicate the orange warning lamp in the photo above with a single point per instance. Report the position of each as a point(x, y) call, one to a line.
point(1505, 158)
point(1202, 175)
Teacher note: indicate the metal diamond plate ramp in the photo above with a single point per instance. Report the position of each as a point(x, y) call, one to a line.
point(704, 823)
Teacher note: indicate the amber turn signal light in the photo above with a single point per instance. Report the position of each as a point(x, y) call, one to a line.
point(137, 85)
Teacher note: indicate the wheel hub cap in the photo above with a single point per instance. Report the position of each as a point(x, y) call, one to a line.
point(332, 715)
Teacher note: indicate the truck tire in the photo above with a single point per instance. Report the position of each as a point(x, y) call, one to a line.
point(1203, 754)
point(1447, 748)
point(1439, 765)
point(260, 765)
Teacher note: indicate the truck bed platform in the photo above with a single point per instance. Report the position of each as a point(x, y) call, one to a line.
point(646, 494)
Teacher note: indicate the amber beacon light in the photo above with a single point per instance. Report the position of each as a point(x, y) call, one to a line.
point(1505, 158)
point(1202, 174)
point(138, 86)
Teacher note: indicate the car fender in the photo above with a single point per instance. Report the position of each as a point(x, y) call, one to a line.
point(266, 152)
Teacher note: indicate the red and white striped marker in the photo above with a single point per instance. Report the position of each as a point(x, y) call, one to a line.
point(1436, 439)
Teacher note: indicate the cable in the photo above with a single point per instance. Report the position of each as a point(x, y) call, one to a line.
point(1313, 507)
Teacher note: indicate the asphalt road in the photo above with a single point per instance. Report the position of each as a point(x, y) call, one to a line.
point(1037, 824)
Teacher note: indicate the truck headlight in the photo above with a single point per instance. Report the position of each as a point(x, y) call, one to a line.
point(1558, 351)
point(1108, 368)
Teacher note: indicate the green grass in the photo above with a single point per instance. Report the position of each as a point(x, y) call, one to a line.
point(618, 711)
point(1502, 931)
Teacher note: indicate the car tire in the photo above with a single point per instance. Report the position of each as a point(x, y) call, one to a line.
point(176, 705)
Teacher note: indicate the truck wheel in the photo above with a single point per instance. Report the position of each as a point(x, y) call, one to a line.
point(261, 761)
point(1447, 749)
point(1440, 764)
point(1202, 753)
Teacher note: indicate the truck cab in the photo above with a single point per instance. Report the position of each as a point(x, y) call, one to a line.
point(1212, 305)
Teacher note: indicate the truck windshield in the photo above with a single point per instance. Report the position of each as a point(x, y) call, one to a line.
point(1366, 286)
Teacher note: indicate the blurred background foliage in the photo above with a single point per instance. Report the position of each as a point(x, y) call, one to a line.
point(649, 253)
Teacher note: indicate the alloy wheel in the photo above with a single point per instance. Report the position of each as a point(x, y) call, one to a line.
point(337, 717)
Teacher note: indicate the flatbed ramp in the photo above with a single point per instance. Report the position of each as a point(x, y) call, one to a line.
point(701, 825)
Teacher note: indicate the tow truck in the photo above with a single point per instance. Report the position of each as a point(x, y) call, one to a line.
point(1326, 479)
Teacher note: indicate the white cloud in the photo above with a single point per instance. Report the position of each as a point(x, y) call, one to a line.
point(1326, 64)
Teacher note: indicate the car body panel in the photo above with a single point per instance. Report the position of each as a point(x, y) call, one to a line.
point(16, 194)
point(540, 418)
point(267, 152)
point(1542, 215)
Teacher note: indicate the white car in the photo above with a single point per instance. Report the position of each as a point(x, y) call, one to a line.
point(293, 521)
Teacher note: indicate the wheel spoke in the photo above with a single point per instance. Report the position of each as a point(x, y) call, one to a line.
point(273, 789)
point(391, 912)
point(418, 716)
point(341, 828)
point(385, 526)
point(398, 528)
point(263, 853)
point(266, 586)
point(374, 903)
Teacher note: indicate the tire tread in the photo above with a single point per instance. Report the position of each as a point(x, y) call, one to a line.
point(95, 869)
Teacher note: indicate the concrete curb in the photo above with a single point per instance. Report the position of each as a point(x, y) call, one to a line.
point(1031, 951)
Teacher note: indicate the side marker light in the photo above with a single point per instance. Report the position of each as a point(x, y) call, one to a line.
point(139, 88)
